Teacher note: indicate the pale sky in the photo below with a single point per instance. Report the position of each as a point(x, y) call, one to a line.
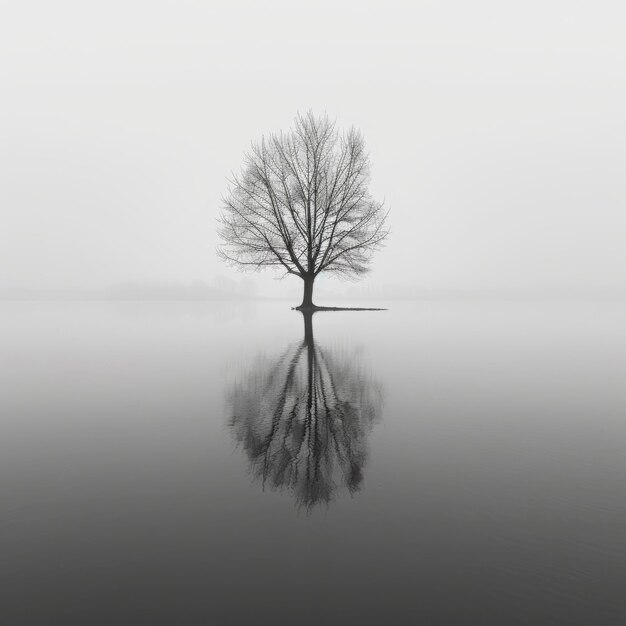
point(496, 131)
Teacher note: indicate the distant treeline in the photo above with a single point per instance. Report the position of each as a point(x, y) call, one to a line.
point(220, 289)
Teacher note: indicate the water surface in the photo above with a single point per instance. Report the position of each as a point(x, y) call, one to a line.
point(437, 463)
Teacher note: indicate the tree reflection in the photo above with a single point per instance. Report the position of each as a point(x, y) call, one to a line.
point(304, 418)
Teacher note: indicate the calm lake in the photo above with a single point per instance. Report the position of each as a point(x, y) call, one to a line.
point(226, 463)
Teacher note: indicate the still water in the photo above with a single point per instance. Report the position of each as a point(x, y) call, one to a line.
point(199, 463)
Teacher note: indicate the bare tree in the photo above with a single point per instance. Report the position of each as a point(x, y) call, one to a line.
point(301, 204)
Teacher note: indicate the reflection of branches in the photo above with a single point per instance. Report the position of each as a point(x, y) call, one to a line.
point(303, 420)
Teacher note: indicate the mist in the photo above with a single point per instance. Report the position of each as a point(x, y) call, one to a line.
point(495, 132)
point(439, 442)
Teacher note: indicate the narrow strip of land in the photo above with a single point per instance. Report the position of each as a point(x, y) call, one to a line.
point(335, 308)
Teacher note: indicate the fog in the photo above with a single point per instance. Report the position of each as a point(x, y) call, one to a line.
point(496, 133)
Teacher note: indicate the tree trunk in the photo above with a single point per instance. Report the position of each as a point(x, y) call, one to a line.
point(307, 298)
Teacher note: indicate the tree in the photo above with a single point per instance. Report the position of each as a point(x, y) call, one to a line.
point(304, 417)
point(301, 204)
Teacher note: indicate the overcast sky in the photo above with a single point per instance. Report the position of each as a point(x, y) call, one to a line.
point(497, 133)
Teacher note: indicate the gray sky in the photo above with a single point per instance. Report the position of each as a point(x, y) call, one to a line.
point(496, 131)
